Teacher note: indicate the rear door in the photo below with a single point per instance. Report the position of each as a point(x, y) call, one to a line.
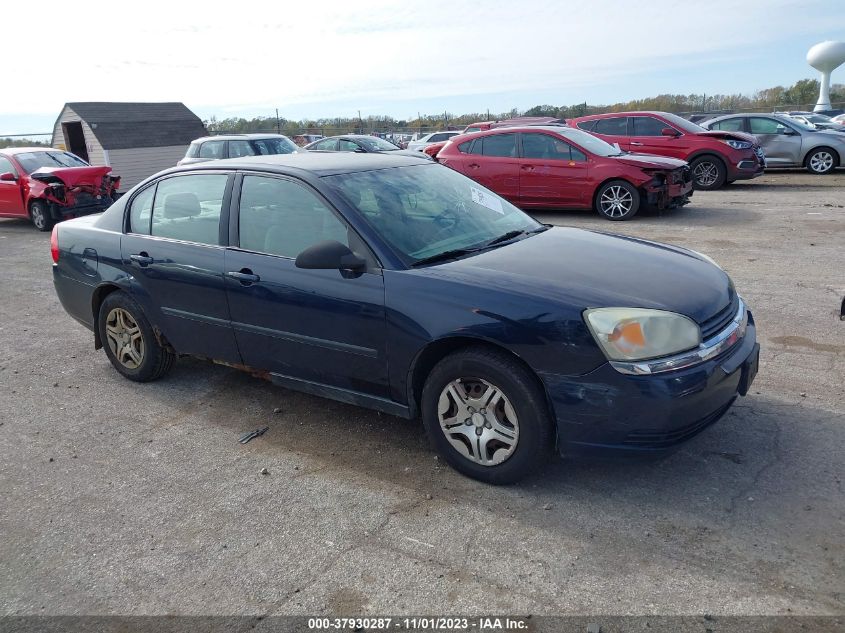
point(321, 326)
point(11, 195)
point(781, 144)
point(551, 171)
point(174, 252)
point(613, 130)
point(493, 161)
point(647, 138)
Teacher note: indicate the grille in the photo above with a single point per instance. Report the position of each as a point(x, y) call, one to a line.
point(652, 438)
point(721, 319)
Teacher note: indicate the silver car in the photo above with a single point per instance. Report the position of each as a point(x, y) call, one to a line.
point(237, 146)
point(787, 142)
point(435, 137)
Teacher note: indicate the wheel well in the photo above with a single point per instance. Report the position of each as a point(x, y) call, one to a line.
point(436, 351)
point(836, 156)
point(709, 155)
point(100, 294)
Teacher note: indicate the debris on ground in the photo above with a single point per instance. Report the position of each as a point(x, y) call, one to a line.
point(246, 437)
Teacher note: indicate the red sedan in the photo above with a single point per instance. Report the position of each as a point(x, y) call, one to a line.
point(47, 185)
point(716, 157)
point(558, 167)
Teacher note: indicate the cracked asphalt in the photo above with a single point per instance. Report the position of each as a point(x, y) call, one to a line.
point(119, 498)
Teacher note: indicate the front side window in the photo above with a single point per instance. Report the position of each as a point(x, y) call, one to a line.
point(188, 208)
point(614, 126)
point(345, 145)
point(648, 126)
point(425, 210)
point(499, 145)
point(546, 147)
point(212, 150)
point(330, 144)
point(6, 166)
point(375, 144)
point(282, 217)
point(274, 145)
point(237, 149)
point(759, 125)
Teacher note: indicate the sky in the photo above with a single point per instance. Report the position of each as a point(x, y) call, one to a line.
point(326, 58)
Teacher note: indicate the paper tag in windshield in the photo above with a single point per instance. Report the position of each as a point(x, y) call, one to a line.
point(486, 200)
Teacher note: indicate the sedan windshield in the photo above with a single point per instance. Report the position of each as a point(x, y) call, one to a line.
point(375, 144)
point(266, 146)
point(30, 161)
point(429, 210)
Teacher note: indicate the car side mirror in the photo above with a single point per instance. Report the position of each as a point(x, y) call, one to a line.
point(668, 131)
point(360, 150)
point(8, 177)
point(329, 255)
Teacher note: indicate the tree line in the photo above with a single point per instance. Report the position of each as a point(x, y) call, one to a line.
point(801, 95)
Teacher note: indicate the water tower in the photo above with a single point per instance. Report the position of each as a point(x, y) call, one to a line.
point(824, 57)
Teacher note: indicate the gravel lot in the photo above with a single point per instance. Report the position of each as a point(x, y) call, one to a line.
point(138, 499)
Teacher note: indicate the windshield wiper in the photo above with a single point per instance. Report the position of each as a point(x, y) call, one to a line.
point(451, 254)
point(512, 234)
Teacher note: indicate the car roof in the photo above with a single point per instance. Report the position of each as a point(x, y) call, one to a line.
point(317, 163)
point(236, 137)
point(27, 150)
point(627, 113)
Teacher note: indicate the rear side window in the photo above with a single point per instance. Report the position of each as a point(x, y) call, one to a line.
point(193, 150)
point(648, 126)
point(141, 211)
point(464, 148)
point(188, 208)
point(499, 145)
point(211, 149)
point(280, 217)
point(730, 125)
point(587, 125)
point(614, 126)
point(237, 149)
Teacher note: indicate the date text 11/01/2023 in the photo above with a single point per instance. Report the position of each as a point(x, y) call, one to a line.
point(420, 624)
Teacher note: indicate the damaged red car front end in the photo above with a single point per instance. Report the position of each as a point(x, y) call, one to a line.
point(48, 185)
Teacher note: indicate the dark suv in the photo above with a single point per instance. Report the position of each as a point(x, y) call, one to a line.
point(237, 146)
point(716, 157)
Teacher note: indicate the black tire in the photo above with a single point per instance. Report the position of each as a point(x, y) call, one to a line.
point(617, 200)
point(708, 172)
point(39, 215)
point(821, 161)
point(155, 359)
point(534, 429)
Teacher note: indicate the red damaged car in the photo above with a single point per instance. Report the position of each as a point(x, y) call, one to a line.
point(716, 157)
point(47, 185)
point(558, 167)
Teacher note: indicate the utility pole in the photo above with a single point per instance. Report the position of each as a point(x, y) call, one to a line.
point(360, 122)
point(278, 124)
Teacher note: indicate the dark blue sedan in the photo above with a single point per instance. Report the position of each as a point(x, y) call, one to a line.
point(400, 285)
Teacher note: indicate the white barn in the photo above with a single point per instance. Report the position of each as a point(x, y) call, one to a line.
point(135, 139)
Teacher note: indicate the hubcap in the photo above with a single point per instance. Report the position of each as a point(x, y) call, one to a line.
point(616, 201)
point(821, 161)
point(38, 218)
point(706, 174)
point(478, 420)
point(124, 338)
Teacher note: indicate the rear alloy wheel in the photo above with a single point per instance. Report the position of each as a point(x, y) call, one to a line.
point(487, 416)
point(129, 341)
point(821, 160)
point(618, 200)
point(39, 213)
point(708, 172)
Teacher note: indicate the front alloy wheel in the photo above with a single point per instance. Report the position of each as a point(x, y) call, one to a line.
point(821, 162)
point(478, 420)
point(39, 213)
point(618, 200)
point(708, 172)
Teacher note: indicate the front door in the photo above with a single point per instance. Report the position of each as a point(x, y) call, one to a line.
point(551, 172)
point(11, 198)
point(321, 326)
point(781, 144)
point(647, 138)
point(175, 255)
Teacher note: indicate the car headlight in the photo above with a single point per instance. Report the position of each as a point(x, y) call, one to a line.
point(738, 144)
point(639, 333)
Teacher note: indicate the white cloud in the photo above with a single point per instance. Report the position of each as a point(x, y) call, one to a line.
point(257, 55)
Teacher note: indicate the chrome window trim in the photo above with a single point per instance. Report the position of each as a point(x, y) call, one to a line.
point(712, 347)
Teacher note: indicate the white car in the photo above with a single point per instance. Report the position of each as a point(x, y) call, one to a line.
point(434, 137)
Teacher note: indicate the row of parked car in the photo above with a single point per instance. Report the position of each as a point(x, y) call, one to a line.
point(614, 163)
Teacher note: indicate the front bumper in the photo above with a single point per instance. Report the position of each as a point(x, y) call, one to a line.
point(669, 196)
point(751, 166)
point(609, 412)
point(63, 211)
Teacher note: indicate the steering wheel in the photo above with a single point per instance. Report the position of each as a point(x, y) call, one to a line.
point(447, 219)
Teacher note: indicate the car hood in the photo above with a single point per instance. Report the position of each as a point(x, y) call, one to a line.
point(589, 269)
point(721, 134)
point(649, 161)
point(71, 176)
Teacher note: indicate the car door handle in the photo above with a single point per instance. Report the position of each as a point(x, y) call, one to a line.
point(635, 143)
point(473, 165)
point(244, 275)
point(142, 259)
